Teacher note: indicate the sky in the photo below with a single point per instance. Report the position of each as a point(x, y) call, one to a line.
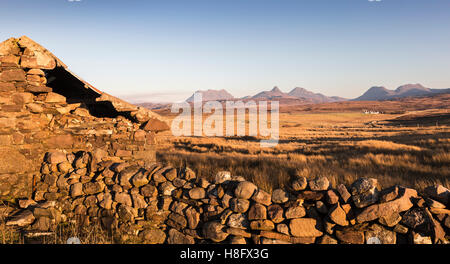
point(164, 50)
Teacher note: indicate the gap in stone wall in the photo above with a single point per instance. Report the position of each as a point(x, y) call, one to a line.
point(64, 83)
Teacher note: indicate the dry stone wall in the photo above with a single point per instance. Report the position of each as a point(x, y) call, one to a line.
point(161, 204)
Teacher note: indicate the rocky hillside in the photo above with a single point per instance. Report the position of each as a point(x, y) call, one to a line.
point(212, 95)
point(314, 97)
point(378, 93)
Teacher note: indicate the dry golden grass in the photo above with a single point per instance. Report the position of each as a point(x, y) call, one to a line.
point(340, 145)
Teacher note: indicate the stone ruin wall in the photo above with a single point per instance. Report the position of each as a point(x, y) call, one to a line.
point(35, 119)
point(160, 204)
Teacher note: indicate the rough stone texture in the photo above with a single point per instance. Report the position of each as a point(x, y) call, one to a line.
point(390, 220)
point(197, 193)
point(257, 212)
point(245, 190)
point(36, 118)
point(176, 237)
point(319, 184)
point(214, 231)
point(275, 213)
point(222, 176)
point(280, 196)
point(299, 184)
point(338, 215)
point(332, 197)
point(295, 212)
point(376, 211)
point(348, 236)
point(75, 186)
point(305, 227)
point(378, 233)
point(265, 225)
point(153, 236)
point(365, 192)
point(262, 197)
point(239, 205)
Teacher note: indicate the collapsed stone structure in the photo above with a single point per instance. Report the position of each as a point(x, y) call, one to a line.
point(44, 106)
point(160, 204)
point(71, 153)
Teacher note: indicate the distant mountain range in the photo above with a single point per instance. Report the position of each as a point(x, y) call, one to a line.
point(275, 94)
point(378, 93)
point(212, 95)
point(301, 95)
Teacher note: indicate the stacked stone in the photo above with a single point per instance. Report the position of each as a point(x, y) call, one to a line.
point(160, 204)
point(34, 119)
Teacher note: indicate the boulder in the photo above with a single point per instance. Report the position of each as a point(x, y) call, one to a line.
point(123, 198)
point(155, 125)
point(279, 196)
point(222, 176)
point(187, 174)
point(364, 192)
point(295, 212)
point(93, 187)
point(378, 233)
point(319, 184)
point(126, 174)
point(139, 179)
point(197, 193)
point(176, 237)
point(17, 75)
point(389, 194)
point(192, 217)
point(55, 157)
point(262, 197)
point(138, 201)
point(257, 212)
point(266, 225)
point(238, 221)
point(390, 220)
point(283, 229)
point(310, 196)
point(350, 236)
point(299, 184)
point(245, 190)
point(275, 213)
point(55, 98)
point(166, 188)
point(214, 231)
point(239, 205)
point(305, 227)
point(23, 219)
point(332, 197)
point(338, 215)
point(76, 189)
point(417, 219)
point(401, 204)
point(153, 236)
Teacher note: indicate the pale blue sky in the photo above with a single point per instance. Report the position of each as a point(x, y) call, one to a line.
point(163, 50)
